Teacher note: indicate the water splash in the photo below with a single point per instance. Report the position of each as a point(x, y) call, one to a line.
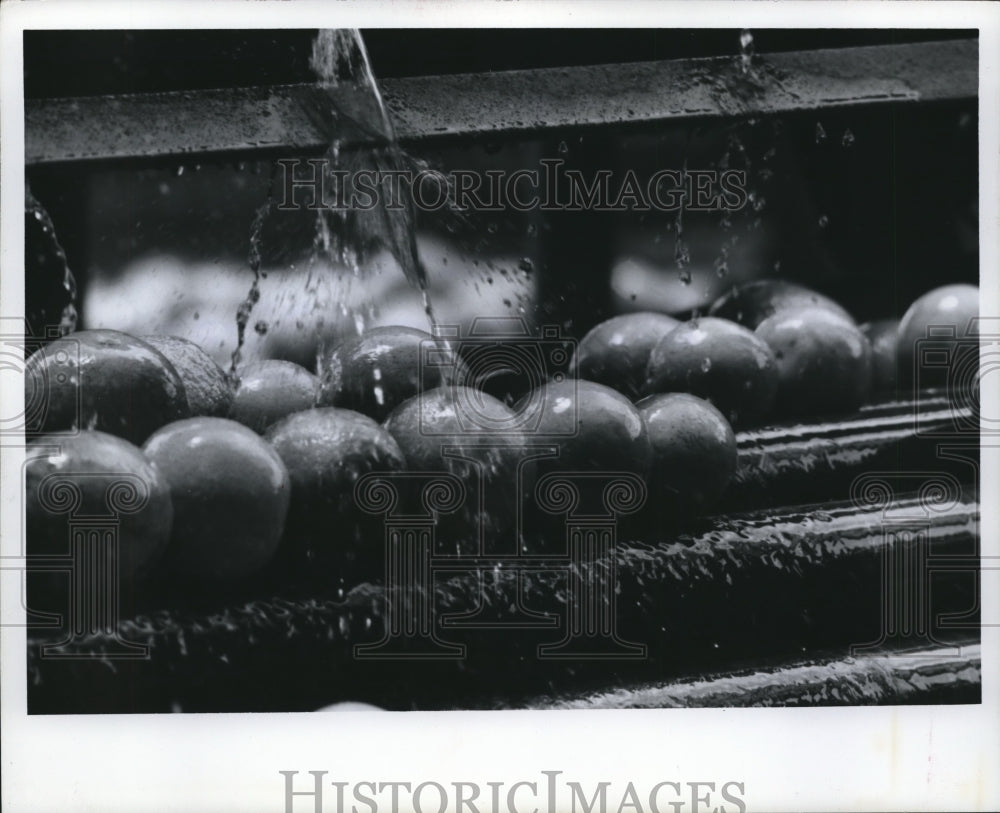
point(340, 61)
point(50, 287)
point(253, 295)
point(746, 51)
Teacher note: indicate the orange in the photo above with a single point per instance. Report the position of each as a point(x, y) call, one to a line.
point(230, 492)
point(941, 319)
point(615, 352)
point(269, 390)
point(694, 451)
point(824, 361)
point(105, 380)
point(206, 385)
point(474, 436)
point(325, 451)
point(598, 433)
point(720, 361)
point(93, 474)
point(753, 302)
point(376, 372)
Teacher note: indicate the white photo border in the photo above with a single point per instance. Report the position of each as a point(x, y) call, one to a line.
point(912, 757)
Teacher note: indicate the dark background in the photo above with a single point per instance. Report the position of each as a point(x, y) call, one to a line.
point(71, 63)
point(901, 203)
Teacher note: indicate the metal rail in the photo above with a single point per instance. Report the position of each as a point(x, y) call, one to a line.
point(292, 119)
point(942, 675)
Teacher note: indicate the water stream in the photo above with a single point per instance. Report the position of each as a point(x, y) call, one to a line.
point(50, 285)
point(347, 236)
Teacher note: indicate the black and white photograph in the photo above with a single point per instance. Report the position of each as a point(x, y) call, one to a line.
point(566, 374)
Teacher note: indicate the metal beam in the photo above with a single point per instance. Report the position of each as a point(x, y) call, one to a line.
point(295, 119)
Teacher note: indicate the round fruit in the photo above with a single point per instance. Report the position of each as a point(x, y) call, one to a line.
point(206, 385)
point(230, 492)
point(720, 361)
point(325, 451)
point(376, 372)
point(694, 450)
point(104, 380)
point(616, 352)
point(350, 705)
point(270, 390)
point(753, 302)
point(598, 433)
point(882, 334)
point(93, 475)
point(824, 362)
point(596, 428)
point(943, 319)
point(486, 446)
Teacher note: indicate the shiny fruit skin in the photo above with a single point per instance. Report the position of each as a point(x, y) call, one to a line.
point(694, 450)
point(883, 335)
point(616, 352)
point(376, 372)
point(720, 361)
point(454, 416)
point(111, 477)
point(325, 451)
point(598, 433)
point(108, 381)
point(230, 491)
point(208, 389)
point(947, 312)
point(269, 390)
point(824, 362)
point(753, 302)
point(596, 428)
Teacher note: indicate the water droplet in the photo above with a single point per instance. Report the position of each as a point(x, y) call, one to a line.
point(260, 328)
point(721, 269)
point(847, 140)
point(823, 221)
point(526, 265)
point(757, 201)
point(492, 227)
point(180, 170)
point(684, 276)
point(820, 133)
point(706, 364)
point(746, 50)
point(563, 148)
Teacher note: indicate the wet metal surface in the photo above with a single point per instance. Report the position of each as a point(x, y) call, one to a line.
point(928, 676)
point(298, 118)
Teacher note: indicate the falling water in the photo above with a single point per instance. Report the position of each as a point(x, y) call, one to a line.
point(253, 296)
point(341, 63)
point(51, 276)
point(746, 51)
point(339, 58)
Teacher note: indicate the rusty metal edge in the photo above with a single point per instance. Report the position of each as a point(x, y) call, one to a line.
point(301, 119)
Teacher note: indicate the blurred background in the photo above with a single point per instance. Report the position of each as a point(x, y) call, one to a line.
point(872, 205)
